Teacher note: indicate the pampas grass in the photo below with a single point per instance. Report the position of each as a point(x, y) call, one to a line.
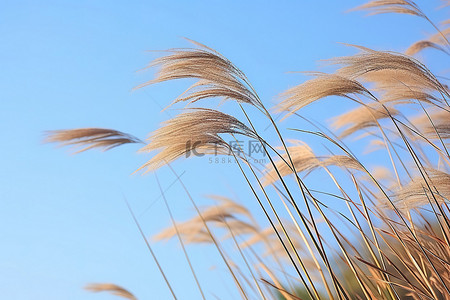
point(110, 288)
point(391, 6)
point(197, 130)
point(322, 86)
point(367, 232)
point(420, 45)
point(217, 76)
point(89, 138)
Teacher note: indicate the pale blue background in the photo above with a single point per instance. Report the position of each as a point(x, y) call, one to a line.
point(66, 64)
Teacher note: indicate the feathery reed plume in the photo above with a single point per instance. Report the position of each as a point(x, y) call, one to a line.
point(382, 173)
point(110, 288)
point(401, 7)
point(231, 206)
point(362, 117)
point(226, 214)
point(217, 76)
point(420, 45)
point(197, 131)
point(439, 129)
point(302, 156)
point(306, 161)
point(322, 86)
point(401, 87)
point(374, 145)
point(416, 193)
point(341, 161)
point(395, 65)
point(437, 41)
point(403, 94)
point(391, 6)
point(105, 139)
point(191, 232)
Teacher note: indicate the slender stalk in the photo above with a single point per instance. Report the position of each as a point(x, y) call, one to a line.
point(150, 249)
point(180, 238)
point(222, 255)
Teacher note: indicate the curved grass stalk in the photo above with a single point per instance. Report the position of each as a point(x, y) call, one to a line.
point(222, 255)
point(245, 260)
point(150, 250)
point(318, 244)
point(277, 233)
point(180, 238)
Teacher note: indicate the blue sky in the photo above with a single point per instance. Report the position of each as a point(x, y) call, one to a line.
point(68, 64)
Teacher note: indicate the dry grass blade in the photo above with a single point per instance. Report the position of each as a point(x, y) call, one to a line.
point(273, 247)
point(322, 86)
point(110, 288)
point(196, 131)
point(282, 291)
point(180, 239)
point(89, 138)
point(217, 76)
point(391, 6)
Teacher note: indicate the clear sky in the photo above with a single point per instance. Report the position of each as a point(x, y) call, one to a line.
point(68, 64)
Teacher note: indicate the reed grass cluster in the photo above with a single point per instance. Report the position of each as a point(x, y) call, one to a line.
point(389, 235)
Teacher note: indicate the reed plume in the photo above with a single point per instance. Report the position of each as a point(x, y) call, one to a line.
point(322, 86)
point(217, 76)
point(391, 6)
point(197, 131)
point(362, 118)
point(418, 193)
point(110, 288)
point(89, 138)
point(370, 61)
point(421, 45)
